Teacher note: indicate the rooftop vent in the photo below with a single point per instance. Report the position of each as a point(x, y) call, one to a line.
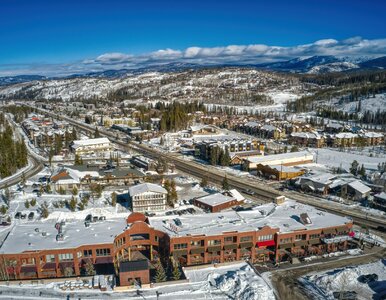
point(305, 219)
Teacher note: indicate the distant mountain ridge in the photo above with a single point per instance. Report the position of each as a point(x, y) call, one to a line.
point(313, 65)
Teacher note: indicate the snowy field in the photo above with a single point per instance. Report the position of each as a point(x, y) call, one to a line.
point(371, 104)
point(336, 159)
point(322, 285)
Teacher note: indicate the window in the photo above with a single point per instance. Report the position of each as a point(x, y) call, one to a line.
point(246, 239)
point(66, 256)
point(314, 236)
point(180, 246)
point(268, 237)
point(300, 237)
point(230, 239)
point(50, 258)
point(103, 252)
point(79, 254)
point(87, 253)
point(214, 242)
point(197, 243)
point(286, 240)
point(156, 238)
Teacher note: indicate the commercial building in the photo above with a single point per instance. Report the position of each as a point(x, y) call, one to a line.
point(270, 232)
point(91, 146)
point(284, 159)
point(219, 201)
point(147, 197)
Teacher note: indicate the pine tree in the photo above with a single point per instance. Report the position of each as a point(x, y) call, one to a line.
point(72, 204)
point(114, 199)
point(74, 191)
point(225, 184)
point(362, 171)
point(176, 272)
point(354, 168)
point(26, 204)
point(160, 275)
point(96, 134)
point(204, 182)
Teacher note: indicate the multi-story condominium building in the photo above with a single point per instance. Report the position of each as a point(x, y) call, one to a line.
point(307, 139)
point(147, 197)
point(273, 232)
point(91, 146)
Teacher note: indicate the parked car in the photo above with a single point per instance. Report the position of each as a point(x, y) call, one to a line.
point(23, 216)
point(346, 295)
point(249, 192)
point(88, 218)
point(31, 215)
point(18, 215)
point(368, 278)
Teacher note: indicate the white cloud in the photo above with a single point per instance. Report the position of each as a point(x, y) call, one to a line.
point(232, 54)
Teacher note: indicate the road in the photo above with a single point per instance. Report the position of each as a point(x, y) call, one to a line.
point(263, 192)
point(34, 167)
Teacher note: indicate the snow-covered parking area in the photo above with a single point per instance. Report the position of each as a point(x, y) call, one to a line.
point(323, 285)
point(236, 281)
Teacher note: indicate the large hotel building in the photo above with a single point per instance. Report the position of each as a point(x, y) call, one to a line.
point(271, 232)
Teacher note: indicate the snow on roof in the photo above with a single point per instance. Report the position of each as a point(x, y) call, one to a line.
point(236, 194)
point(73, 175)
point(89, 142)
point(307, 135)
point(25, 237)
point(146, 187)
point(372, 135)
point(346, 135)
point(334, 125)
point(272, 215)
point(266, 159)
point(215, 199)
point(359, 186)
point(381, 196)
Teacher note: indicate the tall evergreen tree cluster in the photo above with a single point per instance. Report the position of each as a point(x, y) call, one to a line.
point(13, 153)
point(218, 156)
point(175, 115)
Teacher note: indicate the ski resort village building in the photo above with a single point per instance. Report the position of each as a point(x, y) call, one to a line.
point(147, 197)
point(91, 146)
point(279, 166)
point(271, 232)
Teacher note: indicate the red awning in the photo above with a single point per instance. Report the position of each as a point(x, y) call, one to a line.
point(351, 233)
point(266, 243)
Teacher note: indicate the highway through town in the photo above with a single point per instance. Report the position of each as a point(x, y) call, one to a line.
point(261, 192)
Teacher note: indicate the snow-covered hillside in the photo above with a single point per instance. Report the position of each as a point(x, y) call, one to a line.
point(333, 67)
point(222, 85)
point(372, 103)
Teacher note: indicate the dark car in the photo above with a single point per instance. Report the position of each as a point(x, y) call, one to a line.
point(381, 228)
point(18, 215)
point(249, 192)
point(23, 216)
point(368, 278)
point(346, 295)
point(88, 218)
point(31, 215)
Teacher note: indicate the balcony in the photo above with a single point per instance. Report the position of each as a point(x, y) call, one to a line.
point(336, 239)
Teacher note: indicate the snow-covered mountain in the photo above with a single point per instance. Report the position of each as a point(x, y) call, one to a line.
point(324, 64)
point(213, 85)
point(19, 79)
point(333, 67)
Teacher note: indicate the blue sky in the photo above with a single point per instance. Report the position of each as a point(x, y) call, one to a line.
point(43, 35)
